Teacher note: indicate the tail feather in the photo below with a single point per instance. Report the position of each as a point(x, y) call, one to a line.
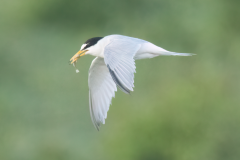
point(177, 54)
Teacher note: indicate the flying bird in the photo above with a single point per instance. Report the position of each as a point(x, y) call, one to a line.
point(114, 66)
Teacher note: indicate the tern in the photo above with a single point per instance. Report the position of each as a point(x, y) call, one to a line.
point(114, 66)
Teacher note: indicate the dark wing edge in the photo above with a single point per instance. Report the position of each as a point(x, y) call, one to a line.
point(117, 81)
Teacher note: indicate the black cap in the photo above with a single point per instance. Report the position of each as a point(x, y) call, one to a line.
point(92, 41)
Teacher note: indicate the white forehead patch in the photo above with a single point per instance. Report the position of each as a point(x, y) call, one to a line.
point(83, 46)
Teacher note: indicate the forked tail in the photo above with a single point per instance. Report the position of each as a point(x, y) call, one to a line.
point(167, 53)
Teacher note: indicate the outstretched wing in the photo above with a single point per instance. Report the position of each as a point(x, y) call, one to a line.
point(101, 90)
point(118, 56)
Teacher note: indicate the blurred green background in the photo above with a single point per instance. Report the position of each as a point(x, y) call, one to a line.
point(182, 108)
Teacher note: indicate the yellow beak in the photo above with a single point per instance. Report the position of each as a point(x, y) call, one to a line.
point(77, 55)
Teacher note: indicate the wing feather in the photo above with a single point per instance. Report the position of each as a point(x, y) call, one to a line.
point(118, 56)
point(118, 83)
point(101, 91)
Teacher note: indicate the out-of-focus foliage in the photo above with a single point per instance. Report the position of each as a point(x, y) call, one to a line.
point(183, 108)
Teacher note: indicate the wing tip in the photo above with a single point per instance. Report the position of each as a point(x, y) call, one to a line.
point(97, 125)
point(94, 121)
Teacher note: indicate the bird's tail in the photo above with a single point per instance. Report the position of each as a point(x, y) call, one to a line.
point(167, 53)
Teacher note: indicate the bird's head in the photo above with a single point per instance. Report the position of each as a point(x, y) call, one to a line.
point(87, 48)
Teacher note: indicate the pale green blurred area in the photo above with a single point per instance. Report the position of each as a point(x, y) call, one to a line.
point(182, 108)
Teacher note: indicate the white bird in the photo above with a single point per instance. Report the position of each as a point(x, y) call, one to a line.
point(114, 66)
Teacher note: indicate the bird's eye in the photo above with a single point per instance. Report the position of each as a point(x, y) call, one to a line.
point(90, 42)
point(83, 46)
